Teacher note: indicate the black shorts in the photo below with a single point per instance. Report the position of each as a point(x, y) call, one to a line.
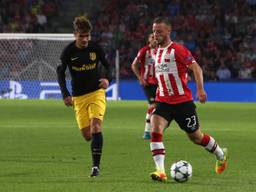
point(183, 113)
point(150, 92)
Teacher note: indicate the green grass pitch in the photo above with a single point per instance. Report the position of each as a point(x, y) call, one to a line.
point(41, 149)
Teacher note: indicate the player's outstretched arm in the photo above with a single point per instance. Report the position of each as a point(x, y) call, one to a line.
point(198, 74)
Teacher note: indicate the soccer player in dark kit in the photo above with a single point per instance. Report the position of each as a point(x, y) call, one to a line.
point(83, 59)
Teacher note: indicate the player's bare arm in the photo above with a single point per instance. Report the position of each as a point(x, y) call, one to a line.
point(136, 70)
point(198, 74)
point(104, 83)
point(135, 67)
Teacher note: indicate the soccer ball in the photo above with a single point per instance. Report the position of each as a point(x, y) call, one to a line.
point(181, 171)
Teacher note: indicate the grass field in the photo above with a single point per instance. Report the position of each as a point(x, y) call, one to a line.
point(41, 149)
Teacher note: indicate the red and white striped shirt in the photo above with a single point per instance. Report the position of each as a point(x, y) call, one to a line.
point(171, 67)
point(147, 71)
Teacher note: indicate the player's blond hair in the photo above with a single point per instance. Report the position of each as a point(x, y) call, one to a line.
point(82, 25)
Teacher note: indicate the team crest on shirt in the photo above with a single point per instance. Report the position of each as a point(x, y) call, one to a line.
point(93, 56)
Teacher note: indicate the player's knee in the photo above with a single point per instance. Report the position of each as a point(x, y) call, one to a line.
point(86, 134)
point(156, 128)
point(88, 137)
point(96, 128)
point(158, 124)
point(96, 125)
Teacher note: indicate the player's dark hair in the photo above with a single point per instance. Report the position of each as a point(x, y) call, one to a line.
point(164, 20)
point(81, 24)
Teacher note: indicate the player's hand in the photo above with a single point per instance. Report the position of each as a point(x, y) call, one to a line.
point(143, 82)
point(104, 83)
point(202, 96)
point(68, 101)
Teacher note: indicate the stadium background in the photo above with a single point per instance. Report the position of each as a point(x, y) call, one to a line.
point(220, 34)
point(41, 146)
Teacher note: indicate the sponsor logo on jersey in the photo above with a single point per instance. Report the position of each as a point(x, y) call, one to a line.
point(162, 68)
point(84, 67)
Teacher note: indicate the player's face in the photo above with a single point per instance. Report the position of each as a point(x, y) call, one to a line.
point(152, 42)
point(161, 32)
point(82, 39)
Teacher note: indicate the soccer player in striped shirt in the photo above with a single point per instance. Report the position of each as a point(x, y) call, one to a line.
point(143, 68)
point(174, 99)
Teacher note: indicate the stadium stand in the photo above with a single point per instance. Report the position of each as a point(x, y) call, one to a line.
point(220, 34)
point(27, 16)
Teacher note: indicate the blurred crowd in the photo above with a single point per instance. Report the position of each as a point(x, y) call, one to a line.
point(26, 16)
point(221, 34)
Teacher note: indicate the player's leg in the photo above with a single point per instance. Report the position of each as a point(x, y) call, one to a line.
point(188, 120)
point(207, 142)
point(82, 116)
point(81, 104)
point(96, 110)
point(150, 92)
point(210, 144)
point(96, 145)
point(86, 133)
point(157, 147)
point(158, 123)
point(147, 128)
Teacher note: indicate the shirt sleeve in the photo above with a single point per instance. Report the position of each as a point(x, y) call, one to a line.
point(141, 55)
point(108, 67)
point(184, 55)
point(61, 69)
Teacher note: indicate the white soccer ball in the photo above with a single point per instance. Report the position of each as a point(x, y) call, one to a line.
point(181, 171)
